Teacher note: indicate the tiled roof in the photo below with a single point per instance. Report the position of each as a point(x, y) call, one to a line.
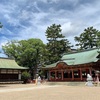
point(83, 57)
point(6, 63)
point(76, 58)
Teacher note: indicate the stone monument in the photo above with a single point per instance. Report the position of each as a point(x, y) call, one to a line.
point(39, 80)
point(89, 80)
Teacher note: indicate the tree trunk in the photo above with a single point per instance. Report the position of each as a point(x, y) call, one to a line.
point(35, 72)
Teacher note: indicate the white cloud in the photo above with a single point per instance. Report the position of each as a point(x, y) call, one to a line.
point(53, 1)
point(7, 9)
point(49, 1)
point(66, 27)
point(3, 41)
point(36, 6)
point(24, 15)
point(25, 19)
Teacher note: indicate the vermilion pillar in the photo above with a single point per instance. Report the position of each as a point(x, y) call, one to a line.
point(80, 73)
point(62, 75)
point(55, 74)
point(49, 75)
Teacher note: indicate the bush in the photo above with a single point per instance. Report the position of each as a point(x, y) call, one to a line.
point(25, 76)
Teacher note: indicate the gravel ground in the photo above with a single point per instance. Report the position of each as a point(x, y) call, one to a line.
point(48, 92)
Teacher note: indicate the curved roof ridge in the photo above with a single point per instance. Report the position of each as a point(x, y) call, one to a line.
point(79, 51)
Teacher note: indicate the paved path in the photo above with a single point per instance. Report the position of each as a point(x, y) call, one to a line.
point(45, 92)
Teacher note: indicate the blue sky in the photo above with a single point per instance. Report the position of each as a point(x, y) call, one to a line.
point(24, 19)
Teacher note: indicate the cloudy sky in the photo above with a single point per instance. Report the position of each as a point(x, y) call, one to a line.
point(24, 19)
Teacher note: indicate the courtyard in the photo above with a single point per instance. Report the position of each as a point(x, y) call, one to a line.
point(48, 92)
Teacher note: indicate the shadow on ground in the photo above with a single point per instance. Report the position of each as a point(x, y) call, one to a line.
point(3, 86)
point(67, 83)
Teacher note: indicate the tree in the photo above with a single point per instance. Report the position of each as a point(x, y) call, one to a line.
point(27, 53)
point(88, 39)
point(56, 45)
point(1, 27)
point(98, 39)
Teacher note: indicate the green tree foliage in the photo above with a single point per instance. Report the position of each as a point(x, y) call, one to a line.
point(27, 53)
point(56, 45)
point(98, 39)
point(25, 76)
point(88, 39)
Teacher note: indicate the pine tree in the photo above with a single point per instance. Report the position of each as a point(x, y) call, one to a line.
point(56, 45)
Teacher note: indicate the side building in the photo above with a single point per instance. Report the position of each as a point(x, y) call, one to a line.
point(10, 70)
point(75, 66)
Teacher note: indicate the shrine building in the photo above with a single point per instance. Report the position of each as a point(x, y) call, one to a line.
point(10, 70)
point(74, 66)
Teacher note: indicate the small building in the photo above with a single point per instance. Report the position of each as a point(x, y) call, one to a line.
point(74, 66)
point(10, 70)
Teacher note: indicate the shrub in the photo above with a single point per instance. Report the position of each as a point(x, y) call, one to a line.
point(25, 76)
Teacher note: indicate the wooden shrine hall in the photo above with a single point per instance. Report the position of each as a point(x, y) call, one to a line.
point(74, 66)
point(10, 70)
